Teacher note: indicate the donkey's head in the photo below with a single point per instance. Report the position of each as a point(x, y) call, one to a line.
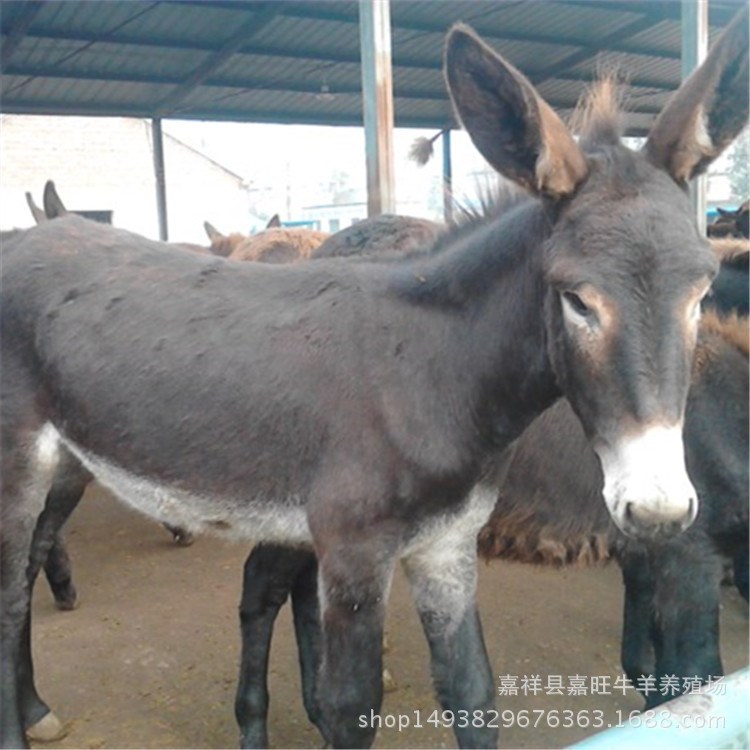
point(624, 265)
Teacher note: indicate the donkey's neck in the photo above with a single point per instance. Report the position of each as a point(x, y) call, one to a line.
point(490, 282)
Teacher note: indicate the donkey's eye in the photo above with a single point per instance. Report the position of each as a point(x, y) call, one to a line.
point(576, 304)
point(577, 313)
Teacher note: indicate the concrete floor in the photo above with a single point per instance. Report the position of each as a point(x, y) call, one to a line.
point(149, 659)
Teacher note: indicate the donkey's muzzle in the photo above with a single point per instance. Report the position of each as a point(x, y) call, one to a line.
point(646, 487)
point(643, 522)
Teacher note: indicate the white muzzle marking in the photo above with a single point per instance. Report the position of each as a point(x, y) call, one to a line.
point(646, 486)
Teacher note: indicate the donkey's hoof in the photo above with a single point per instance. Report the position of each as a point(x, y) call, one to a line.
point(183, 539)
point(67, 602)
point(389, 683)
point(47, 729)
point(66, 605)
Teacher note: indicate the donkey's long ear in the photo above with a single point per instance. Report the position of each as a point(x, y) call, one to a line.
point(708, 111)
point(53, 206)
point(213, 233)
point(511, 125)
point(274, 222)
point(39, 216)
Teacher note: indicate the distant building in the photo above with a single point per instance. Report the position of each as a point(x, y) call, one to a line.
point(106, 165)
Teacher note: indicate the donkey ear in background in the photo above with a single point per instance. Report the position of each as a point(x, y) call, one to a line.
point(39, 216)
point(274, 222)
point(53, 205)
point(213, 233)
point(511, 125)
point(708, 111)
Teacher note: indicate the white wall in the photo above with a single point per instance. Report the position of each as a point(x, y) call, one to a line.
point(107, 164)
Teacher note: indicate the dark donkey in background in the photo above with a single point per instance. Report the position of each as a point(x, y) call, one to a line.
point(358, 407)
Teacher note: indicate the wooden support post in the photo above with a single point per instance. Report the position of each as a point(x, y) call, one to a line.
point(447, 177)
point(377, 104)
point(694, 50)
point(161, 186)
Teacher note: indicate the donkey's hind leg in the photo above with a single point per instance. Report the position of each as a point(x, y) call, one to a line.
point(443, 580)
point(269, 575)
point(22, 489)
point(181, 537)
point(67, 488)
point(59, 576)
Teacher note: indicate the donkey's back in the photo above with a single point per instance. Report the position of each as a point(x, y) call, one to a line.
point(197, 388)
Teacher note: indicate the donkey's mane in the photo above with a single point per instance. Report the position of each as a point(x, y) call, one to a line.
point(492, 200)
point(599, 116)
point(598, 119)
point(464, 261)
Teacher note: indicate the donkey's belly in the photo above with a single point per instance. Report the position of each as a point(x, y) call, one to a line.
point(268, 519)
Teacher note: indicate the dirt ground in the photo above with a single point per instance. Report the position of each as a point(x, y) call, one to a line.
point(149, 659)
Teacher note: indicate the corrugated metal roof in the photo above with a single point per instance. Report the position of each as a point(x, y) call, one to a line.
point(297, 61)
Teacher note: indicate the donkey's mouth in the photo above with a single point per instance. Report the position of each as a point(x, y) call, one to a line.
point(638, 524)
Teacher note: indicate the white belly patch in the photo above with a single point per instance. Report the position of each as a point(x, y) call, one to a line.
point(257, 519)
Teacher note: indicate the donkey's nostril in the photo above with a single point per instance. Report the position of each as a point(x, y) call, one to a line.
point(650, 523)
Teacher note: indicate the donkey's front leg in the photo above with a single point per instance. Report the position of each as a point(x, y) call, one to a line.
point(307, 628)
point(638, 624)
point(353, 584)
point(688, 574)
point(443, 582)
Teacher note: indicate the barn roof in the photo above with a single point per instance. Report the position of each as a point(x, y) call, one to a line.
point(298, 61)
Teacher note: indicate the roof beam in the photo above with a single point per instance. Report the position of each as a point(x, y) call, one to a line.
point(229, 115)
point(225, 115)
point(323, 57)
point(322, 14)
point(399, 61)
point(608, 41)
point(239, 39)
point(19, 29)
point(251, 84)
point(258, 84)
point(720, 12)
point(513, 36)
